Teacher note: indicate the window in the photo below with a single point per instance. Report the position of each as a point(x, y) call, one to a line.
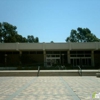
point(25, 52)
point(39, 52)
point(57, 55)
point(72, 52)
point(16, 52)
point(32, 52)
point(52, 55)
point(8, 52)
point(87, 52)
point(87, 55)
point(80, 52)
point(80, 55)
point(48, 52)
point(96, 52)
point(2, 52)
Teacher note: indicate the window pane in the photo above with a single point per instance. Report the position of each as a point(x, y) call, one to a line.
point(25, 52)
point(87, 52)
point(72, 52)
point(39, 52)
point(32, 52)
point(48, 52)
point(73, 55)
point(15, 52)
point(80, 55)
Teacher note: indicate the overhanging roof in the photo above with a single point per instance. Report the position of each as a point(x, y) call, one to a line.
point(50, 46)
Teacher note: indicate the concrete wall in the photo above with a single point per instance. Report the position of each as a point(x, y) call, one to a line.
point(50, 46)
point(8, 46)
point(83, 46)
point(30, 46)
point(57, 46)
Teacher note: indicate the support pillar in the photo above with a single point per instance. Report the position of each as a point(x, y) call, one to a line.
point(44, 53)
point(68, 56)
point(20, 54)
point(5, 60)
point(92, 58)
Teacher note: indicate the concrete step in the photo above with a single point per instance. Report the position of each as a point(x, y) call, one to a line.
point(58, 74)
point(47, 73)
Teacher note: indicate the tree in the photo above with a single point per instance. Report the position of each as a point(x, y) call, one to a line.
point(51, 42)
point(8, 34)
point(19, 38)
point(36, 40)
point(30, 38)
point(82, 35)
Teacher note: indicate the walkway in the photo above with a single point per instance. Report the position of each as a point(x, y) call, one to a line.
point(49, 88)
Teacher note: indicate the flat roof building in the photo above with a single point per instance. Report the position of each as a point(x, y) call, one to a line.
point(85, 54)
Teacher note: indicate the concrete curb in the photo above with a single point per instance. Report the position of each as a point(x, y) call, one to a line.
point(48, 73)
point(98, 74)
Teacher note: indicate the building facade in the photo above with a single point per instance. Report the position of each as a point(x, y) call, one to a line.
point(85, 54)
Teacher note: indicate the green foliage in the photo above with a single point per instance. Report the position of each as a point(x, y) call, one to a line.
point(51, 42)
point(8, 34)
point(31, 39)
point(36, 40)
point(82, 35)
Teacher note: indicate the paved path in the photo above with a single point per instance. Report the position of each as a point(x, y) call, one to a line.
point(48, 88)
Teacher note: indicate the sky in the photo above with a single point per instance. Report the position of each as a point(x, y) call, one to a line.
point(51, 20)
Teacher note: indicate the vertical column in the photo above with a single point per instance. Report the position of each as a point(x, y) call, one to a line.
point(20, 54)
point(68, 56)
point(92, 58)
point(44, 53)
point(5, 60)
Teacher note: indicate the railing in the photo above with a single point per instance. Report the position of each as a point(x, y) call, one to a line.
point(38, 70)
point(80, 71)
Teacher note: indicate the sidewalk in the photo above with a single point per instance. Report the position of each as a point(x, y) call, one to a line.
point(49, 88)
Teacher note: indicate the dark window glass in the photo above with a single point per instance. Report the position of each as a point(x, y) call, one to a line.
point(78, 62)
point(72, 52)
point(87, 55)
point(56, 52)
point(89, 61)
point(63, 52)
point(39, 52)
point(96, 52)
point(48, 55)
point(48, 52)
point(83, 61)
point(73, 55)
point(16, 52)
point(25, 52)
point(87, 52)
point(80, 52)
point(57, 55)
point(8, 52)
point(52, 55)
point(32, 52)
point(2, 52)
point(80, 55)
point(72, 61)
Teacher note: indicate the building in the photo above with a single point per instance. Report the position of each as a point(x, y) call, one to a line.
point(85, 54)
